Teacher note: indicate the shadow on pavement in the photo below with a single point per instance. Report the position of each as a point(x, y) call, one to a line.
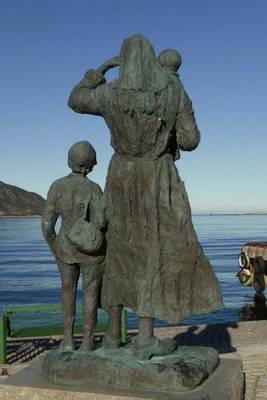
point(216, 336)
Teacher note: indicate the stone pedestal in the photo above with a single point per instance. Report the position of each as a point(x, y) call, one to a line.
point(225, 383)
point(180, 371)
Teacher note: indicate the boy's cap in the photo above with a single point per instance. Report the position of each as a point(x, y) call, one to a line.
point(81, 154)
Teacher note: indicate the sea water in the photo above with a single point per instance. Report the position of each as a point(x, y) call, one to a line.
point(29, 275)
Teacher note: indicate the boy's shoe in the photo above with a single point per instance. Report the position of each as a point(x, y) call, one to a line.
point(111, 342)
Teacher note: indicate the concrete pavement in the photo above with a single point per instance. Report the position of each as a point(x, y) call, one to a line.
point(245, 340)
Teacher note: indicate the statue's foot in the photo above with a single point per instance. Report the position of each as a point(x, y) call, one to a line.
point(145, 349)
point(87, 345)
point(66, 346)
point(111, 341)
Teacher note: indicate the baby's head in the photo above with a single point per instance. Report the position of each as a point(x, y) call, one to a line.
point(170, 59)
point(82, 157)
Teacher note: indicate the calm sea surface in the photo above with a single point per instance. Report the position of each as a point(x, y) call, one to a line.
point(29, 275)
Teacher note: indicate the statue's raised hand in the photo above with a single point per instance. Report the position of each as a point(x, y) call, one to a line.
point(111, 63)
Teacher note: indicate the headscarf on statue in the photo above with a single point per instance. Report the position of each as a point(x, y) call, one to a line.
point(139, 67)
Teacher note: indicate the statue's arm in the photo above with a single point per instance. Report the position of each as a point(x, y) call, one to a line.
point(88, 97)
point(84, 98)
point(49, 219)
point(98, 209)
point(187, 133)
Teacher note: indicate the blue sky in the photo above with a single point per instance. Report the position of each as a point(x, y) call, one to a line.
point(46, 46)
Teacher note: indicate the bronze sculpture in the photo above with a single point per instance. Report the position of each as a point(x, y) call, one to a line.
point(154, 263)
point(79, 246)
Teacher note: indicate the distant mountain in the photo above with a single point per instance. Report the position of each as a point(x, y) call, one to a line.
point(15, 201)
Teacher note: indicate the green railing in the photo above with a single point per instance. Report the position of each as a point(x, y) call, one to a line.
point(8, 314)
point(3, 336)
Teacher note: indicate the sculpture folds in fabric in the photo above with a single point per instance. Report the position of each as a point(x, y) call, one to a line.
point(154, 263)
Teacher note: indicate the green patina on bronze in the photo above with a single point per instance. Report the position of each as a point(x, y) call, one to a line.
point(79, 247)
point(181, 371)
point(154, 262)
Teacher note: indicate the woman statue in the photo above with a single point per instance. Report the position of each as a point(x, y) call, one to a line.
point(154, 263)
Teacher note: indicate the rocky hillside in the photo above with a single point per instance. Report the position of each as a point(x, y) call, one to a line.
point(15, 201)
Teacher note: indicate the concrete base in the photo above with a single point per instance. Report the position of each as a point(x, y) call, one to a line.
point(226, 383)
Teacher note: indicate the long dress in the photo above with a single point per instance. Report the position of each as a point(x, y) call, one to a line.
point(154, 263)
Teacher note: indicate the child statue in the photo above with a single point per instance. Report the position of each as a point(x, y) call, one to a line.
point(79, 247)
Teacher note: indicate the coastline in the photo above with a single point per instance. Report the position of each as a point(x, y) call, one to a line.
point(20, 216)
point(230, 214)
point(194, 214)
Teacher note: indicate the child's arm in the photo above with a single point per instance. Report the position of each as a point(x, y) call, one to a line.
point(49, 219)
